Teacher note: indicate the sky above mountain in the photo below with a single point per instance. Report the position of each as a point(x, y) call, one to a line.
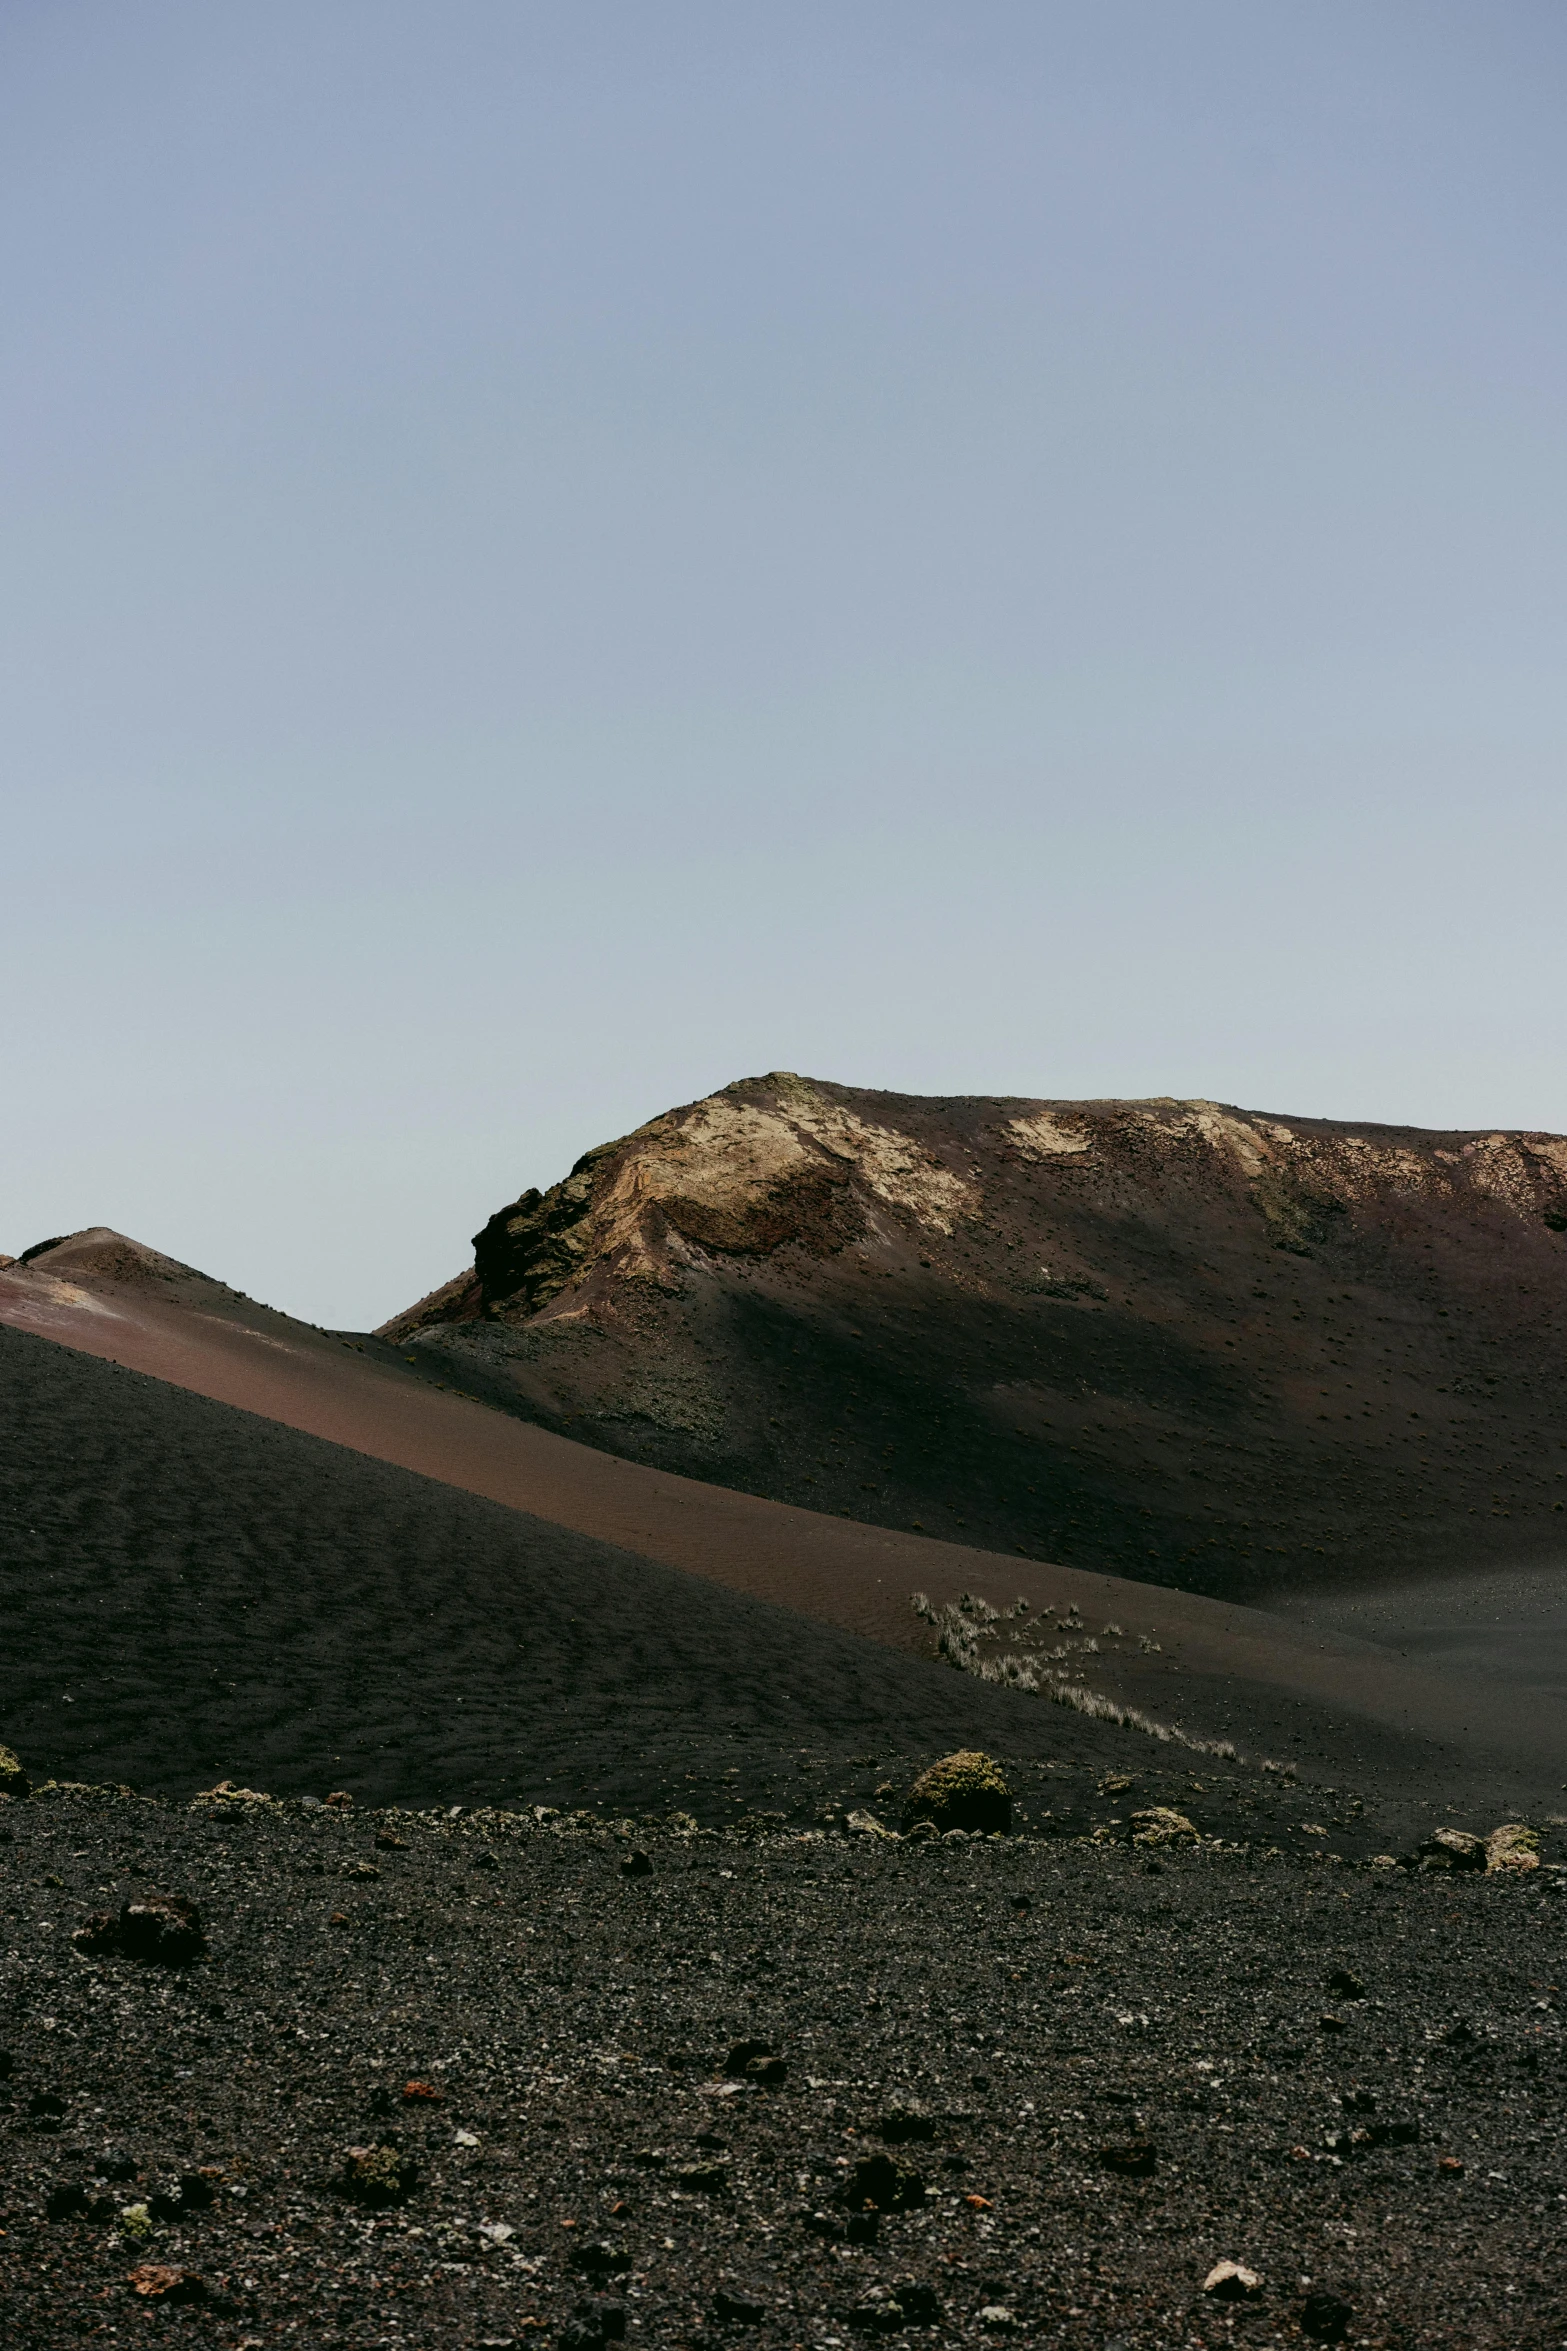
point(555, 557)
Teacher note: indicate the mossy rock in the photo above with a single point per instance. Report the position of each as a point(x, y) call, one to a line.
point(226, 1793)
point(1513, 1846)
point(1158, 1825)
point(13, 1780)
point(376, 2175)
point(963, 1791)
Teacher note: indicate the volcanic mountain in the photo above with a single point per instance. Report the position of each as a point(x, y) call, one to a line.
point(1176, 1341)
point(188, 1579)
point(237, 1549)
point(1218, 1348)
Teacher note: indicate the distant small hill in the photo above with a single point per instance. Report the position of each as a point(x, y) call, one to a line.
point(1173, 1339)
point(99, 1253)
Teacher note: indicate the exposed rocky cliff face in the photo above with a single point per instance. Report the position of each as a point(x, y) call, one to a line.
point(1170, 1338)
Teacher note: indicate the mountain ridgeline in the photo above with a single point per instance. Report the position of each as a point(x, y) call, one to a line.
point(1173, 1340)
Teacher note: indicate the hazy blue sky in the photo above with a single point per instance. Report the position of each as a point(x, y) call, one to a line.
point(554, 556)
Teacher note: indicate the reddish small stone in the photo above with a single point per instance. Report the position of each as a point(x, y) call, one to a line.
point(157, 2281)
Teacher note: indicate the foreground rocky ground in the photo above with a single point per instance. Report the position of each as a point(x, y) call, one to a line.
point(1031, 2089)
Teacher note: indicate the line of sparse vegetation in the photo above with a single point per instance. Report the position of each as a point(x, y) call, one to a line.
point(964, 1624)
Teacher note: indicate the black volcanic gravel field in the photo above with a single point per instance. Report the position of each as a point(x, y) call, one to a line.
point(1347, 2080)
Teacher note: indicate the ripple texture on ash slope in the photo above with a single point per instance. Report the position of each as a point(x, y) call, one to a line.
point(190, 1592)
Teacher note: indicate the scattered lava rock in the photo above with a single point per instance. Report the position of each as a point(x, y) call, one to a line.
point(1325, 2318)
point(919, 2303)
point(876, 2317)
point(598, 2258)
point(158, 2281)
point(1369, 2136)
point(1231, 2281)
point(1452, 1849)
point(593, 2324)
point(906, 2121)
point(860, 2228)
point(736, 2307)
point(190, 2194)
point(889, 2311)
point(880, 2184)
point(703, 2179)
point(755, 2061)
point(158, 1929)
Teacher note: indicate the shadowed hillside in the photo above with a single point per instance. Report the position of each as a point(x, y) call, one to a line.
point(1179, 1341)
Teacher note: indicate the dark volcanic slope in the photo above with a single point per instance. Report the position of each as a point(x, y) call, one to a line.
point(1172, 1340)
point(1213, 1667)
point(190, 1592)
